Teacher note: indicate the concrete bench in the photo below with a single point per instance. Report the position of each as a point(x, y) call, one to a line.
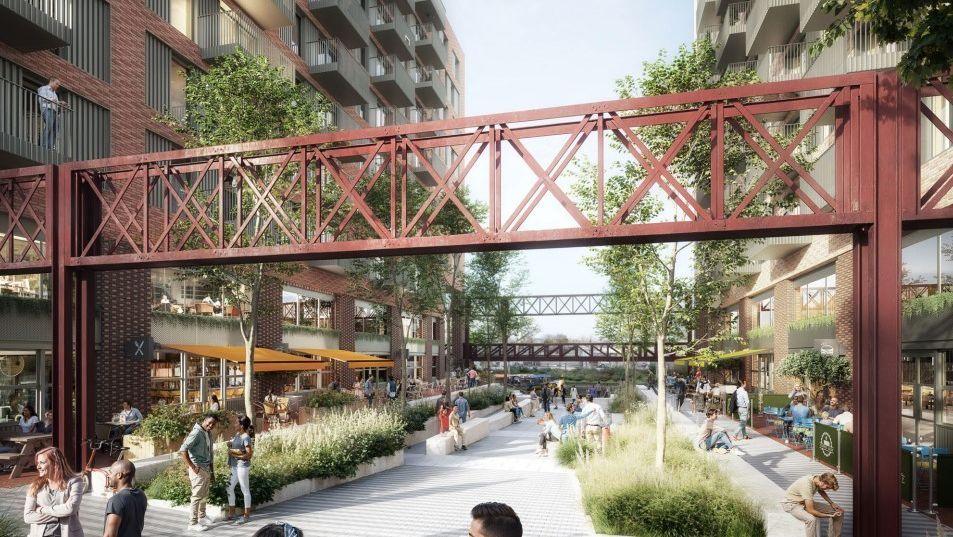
point(500, 420)
point(441, 444)
point(474, 429)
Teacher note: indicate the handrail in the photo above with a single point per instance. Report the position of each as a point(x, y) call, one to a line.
point(59, 10)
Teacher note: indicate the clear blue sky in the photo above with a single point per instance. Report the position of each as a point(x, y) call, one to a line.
point(523, 54)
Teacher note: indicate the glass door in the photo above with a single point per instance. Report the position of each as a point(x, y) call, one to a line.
point(918, 398)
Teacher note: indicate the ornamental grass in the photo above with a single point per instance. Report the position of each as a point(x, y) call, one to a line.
point(333, 447)
point(625, 495)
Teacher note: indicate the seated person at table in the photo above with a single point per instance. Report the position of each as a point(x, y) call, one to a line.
point(271, 398)
point(213, 404)
point(28, 420)
point(46, 426)
point(846, 420)
point(799, 410)
point(832, 408)
point(130, 417)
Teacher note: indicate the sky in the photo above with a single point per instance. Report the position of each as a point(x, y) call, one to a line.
point(524, 54)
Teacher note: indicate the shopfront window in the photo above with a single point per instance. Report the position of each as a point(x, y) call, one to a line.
point(189, 379)
point(26, 285)
point(817, 297)
point(24, 380)
point(307, 309)
point(174, 293)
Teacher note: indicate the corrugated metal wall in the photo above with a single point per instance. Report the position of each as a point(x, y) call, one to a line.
point(161, 8)
point(158, 67)
point(90, 47)
point(89, 128)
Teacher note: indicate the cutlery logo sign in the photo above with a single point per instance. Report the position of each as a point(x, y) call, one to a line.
point(827, 444)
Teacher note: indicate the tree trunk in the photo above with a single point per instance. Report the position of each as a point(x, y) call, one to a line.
point(506, 363)
point(250, 336)
point(661, 411)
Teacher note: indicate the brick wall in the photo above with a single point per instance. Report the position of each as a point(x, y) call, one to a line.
point(429, 347)
point(269, 317)
point(785, 307)
point(123, 299)
point(396, 330)
point(747, 319)
point(844, 313)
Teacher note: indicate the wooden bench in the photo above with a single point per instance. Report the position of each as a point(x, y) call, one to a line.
point(31, 444)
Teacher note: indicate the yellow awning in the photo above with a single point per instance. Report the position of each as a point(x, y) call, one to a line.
point(266, 360)
point(354, 360)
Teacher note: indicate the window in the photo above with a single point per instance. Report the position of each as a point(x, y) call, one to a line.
point(180, 16)
point(177, 89)
point(27, 285)
point(766, 312)
point(307, 310)
point(24, 376)
point(817, 297)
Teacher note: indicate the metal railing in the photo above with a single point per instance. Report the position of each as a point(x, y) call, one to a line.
point(381, 117)
point(422, 73)
point(735, 20)
point(421, 115)
point(59, 10)
point(224, 28)
point(785, 62)
point(426, 30)
point(738, 67)
point(711, 32)
point(382, 65)
point(858, 50)
point(34, 121)
point(326, 51)
point(382, 14)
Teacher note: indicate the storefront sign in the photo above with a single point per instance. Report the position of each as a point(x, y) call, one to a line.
point(826, 444)
point(139, 348)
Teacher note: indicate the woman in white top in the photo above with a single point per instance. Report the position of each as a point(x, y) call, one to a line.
point(550, 433)
point(213, 404)
point(53, 499)
point(28, 420)
point(240, 451)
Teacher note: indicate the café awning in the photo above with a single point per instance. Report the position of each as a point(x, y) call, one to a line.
point(266, 360)
point(721, 357)
point(354, 360)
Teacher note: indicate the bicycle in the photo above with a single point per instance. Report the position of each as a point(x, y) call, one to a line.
point(115, 451)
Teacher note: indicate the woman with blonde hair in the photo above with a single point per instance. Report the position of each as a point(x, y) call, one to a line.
point(53, 499)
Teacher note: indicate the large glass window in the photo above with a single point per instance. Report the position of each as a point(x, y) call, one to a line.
point(307, 310)
point(766, 312)
point(817, 297)
point(180, 16)
point(24, 379)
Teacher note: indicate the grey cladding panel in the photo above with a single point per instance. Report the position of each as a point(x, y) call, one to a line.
point(90, 46)
point(158, 66)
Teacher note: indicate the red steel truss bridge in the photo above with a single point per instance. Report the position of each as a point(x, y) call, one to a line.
point(558, 352)
point(548, 305)
point(379, 191)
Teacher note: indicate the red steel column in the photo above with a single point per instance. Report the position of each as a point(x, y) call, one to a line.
point(86, 363)
point(877, 299)
point(61, 283)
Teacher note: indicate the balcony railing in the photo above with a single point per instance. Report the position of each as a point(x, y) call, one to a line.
point(738, 67)
point(32, 127)
point(382, 65)
point(383, 14)
point(220, 33)
point(785, 62)
point(422, 115)
point(326, 51)
point(735, 21)
point(858, 50)
point(711, 32)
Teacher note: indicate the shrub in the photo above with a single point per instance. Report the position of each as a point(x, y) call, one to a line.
point(480, 399)
point(333, 447)
point(416, 416)
point(172, 422)
point(625, 495)
point(628, 398)
point(573, 449)
point(331, 399)
point(11, 526)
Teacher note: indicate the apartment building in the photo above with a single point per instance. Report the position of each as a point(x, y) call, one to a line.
point(122, 64)
point(799, 295)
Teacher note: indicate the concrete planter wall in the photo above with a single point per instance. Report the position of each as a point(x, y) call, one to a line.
point(309, 339)
point(804, 338)
point(430, 429)
point(305, 486)
point(934, 331)
point(371, 343)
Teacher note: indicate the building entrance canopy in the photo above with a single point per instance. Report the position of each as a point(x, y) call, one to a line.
point(266, 360)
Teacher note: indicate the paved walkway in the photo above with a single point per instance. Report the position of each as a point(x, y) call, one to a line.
point(768, 468)
point(427, 497)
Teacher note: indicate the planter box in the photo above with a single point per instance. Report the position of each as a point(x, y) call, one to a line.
point(805, 339)
point(141, 447)
point(935, 330)
point(430, 429)
point(303, 487)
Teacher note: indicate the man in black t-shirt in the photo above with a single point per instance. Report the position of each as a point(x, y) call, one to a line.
point(126, 510)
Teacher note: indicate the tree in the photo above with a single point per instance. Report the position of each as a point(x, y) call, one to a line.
point(493, 278)
point(242, 99)
point(816, 372)
point(415, 284)
point(927, 24)
point(666, 305)
point(621, 321)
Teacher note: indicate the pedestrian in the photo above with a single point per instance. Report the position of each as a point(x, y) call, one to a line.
point(392, 389)
point(369, 390)
point(799, 503)
point(680, 389)
point(53, 499)
point(472, 377)
point(126, 508)
point(846, 419)
point(547, 396)
point(49, 103)
point(567, 423)
point(335, 386)
point(196, 452)
point(46, 426)
point(743, 404)
point(455, 425)
point(240, 451)
point(710, 437)
point(511, 404)
point(832, 408)
point(213, 404)
point(574, 393)
point(130, 417)
point(550, 433)
point(597, 422)
point(463, 407)
point(533, 401)
point(444, 409)
point(494, 519)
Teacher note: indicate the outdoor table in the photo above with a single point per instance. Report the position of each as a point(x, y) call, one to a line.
point(31, 443)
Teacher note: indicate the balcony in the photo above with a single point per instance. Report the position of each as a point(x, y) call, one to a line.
point(785, 62)
point(858, 50)
point(24, 138)
point(392, 31)
point(740, 67)
point(31, 25)
point(219, 34)
point(346, 18)
point(338, 72)
point(424, 115)
point(431, 45)
point(730, 47)
point(777, 247)
point(770, 22)
point(422, 173)
point(432, 11)
point(431, 87)
point(813, 18)
point(711, 32)
point(704, 10)
point(390, 77)
point(269, 14)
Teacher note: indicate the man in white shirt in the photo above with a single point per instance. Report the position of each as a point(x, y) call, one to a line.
point(743, 402)
point(49, 103)
point(846, 419)
point(597, 422)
